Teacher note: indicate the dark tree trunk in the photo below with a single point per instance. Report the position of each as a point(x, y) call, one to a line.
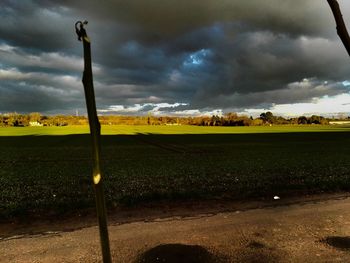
point(341, 27)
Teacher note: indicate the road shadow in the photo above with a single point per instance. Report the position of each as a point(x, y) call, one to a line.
point(174, 253)
point(338, 242)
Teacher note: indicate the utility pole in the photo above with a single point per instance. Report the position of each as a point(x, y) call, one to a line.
point(95, 131)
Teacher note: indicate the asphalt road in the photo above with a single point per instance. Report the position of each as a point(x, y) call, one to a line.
point(313, 230)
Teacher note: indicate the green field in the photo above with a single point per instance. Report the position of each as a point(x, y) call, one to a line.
point(49, 168)
point(171, 129)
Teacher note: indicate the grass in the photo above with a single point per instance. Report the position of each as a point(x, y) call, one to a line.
point(171, 129)
point(146, 163)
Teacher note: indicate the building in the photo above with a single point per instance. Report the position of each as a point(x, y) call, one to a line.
point(35, 123)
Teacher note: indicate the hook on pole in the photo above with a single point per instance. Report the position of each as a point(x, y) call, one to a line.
point(80, 30)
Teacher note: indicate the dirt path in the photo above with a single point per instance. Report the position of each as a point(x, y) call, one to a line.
point(315, 230)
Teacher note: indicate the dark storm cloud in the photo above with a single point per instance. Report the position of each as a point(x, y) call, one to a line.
point(303, 91)
point(207, 54)
point(167, 18)
point(43, 62)
point(25, 97)
point(29, 25)
point(262, 61)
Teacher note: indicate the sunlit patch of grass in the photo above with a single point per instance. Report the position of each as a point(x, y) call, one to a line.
point(164, 129)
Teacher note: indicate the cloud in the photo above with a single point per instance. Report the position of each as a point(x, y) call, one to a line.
point(203, 55)
point(13, 56)
point(27, 92)
point(326, 106)
point(137, 109)
point(303, 91)
point(25, 97)
point(159, 109)
point(36, 27)
point(163, 19)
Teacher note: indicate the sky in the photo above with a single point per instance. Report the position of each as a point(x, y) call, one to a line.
point(167, 57)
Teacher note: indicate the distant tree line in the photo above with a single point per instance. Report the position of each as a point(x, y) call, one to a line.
point(36, 119)
point(228, 119)
point(269, 118)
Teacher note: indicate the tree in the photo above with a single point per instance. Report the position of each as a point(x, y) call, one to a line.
point(267, 117)
point(13, 119)
point(35, 116)
point(215, 121)
point(341, 27)
point(302, 120)
point(314, 119)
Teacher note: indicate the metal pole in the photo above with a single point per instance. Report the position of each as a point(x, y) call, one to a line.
point(95, 131)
